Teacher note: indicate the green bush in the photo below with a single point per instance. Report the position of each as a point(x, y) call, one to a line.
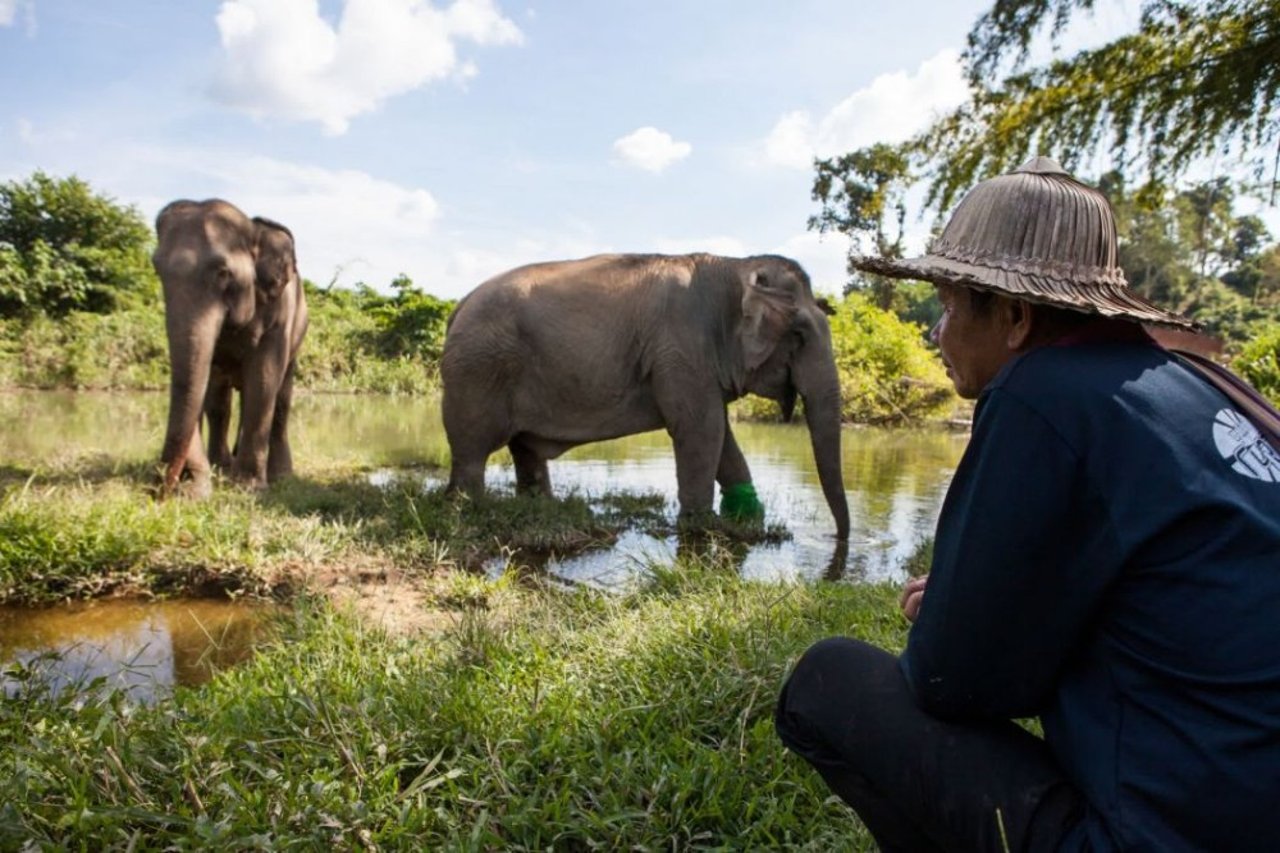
point(1225, 314)
point(65, 248)
point(360, 340)
point(127, 349)
point(887, 373)
point(1259, 362)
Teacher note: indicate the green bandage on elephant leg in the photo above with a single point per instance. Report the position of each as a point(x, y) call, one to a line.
point(740, 503)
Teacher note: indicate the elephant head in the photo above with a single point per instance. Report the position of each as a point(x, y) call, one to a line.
point(785, 350)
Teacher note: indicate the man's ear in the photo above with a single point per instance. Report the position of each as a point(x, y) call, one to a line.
point(1020, 318)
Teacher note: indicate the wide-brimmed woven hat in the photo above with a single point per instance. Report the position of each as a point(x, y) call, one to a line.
point(1038, 234)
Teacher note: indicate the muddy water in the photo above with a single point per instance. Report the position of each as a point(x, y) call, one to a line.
point(143, 649)
point(895, 480)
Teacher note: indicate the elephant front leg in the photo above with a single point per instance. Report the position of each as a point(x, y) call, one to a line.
point(697, 434)
point(197, 467)
point(738, 499)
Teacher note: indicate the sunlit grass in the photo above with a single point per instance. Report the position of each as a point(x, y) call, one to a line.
point(542, 719)
point(83, 528)
point(534, 715)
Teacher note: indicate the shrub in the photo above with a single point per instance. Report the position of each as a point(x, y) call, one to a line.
point(65, 248)
point(888, 375)
point(1259, 362)
point(127, 349)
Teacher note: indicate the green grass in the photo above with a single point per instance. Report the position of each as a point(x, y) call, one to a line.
point(542, 719)
point(89, 527)
point(539, 716)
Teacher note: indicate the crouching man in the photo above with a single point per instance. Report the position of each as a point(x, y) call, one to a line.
point(1107, 560)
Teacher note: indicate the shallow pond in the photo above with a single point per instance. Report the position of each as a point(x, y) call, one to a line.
point(141, 648)
point(895, 479)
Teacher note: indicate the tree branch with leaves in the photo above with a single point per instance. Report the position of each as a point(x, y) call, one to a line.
point(1196, 80)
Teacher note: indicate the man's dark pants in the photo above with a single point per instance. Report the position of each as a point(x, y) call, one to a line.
point(917, 782)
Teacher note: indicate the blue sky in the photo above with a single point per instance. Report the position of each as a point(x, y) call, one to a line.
point(453, 139)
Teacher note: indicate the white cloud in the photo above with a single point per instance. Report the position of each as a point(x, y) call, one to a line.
point(651, 149)
point(350, 226)
point(9, 13)
point(33, 137)
point(890, 109)
point(347, 223)
point(283, 59)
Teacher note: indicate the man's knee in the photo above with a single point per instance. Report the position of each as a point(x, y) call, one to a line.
point(826, 679)
point(836, 665)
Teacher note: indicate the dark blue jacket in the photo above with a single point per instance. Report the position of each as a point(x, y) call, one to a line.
point(1108, 559)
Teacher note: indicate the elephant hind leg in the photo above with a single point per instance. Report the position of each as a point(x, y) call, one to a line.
point(471, 439)
point(532, 476)
point(468, 453)
point(279, 454)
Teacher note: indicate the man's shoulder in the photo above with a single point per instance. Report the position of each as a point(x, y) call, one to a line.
point(1055, 371)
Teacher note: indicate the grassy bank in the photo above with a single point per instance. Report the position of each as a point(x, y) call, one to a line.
point(540, 719)
point(529, 716)
point(91, 528)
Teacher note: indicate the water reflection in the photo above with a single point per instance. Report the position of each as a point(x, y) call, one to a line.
point(141, 648)
point(44, 427)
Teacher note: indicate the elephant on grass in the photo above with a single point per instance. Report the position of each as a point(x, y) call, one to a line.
point(549, 356)
point(235, 314)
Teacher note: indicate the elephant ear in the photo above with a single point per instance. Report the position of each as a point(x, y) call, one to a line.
point(274, 259)
point(768, 311)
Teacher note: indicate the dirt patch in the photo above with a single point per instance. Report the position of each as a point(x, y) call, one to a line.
point(397, 605)
point(383, 596)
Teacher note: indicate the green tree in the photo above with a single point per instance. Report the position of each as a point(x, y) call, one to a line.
point(887, 374)
point(65, 248)
point(1155, 261)
point(1255, 265)
point(859, 192)
point(412, 323)
point(1198, 78)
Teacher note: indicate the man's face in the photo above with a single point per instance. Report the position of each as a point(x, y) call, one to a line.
point(974, 343)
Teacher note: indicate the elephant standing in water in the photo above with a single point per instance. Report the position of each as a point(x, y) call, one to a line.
point(235, 314)
point(549, 356)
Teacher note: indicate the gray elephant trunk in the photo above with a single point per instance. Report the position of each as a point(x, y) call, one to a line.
point(822, 412)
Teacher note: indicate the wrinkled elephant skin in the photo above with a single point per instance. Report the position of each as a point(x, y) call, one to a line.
point(549, 356)
point(235, 315)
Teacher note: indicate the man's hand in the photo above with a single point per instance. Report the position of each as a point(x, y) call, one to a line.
point(912, 596)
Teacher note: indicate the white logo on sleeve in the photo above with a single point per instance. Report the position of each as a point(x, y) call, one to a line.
point(1243, 446)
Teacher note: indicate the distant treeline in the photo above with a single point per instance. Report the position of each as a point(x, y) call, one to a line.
point(80, 307)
